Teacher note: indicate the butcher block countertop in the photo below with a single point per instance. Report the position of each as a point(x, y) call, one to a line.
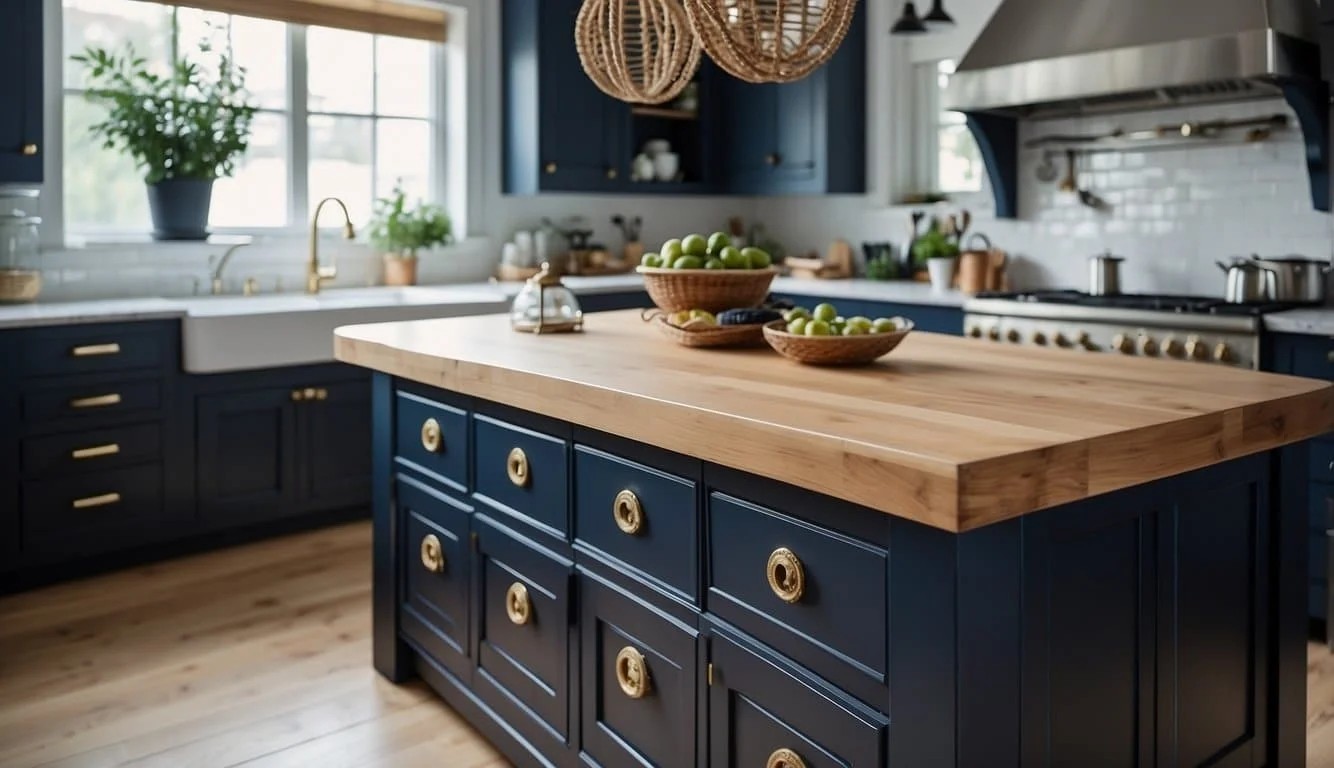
point(950, 432)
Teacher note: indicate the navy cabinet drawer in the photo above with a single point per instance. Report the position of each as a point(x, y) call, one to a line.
point(524, 628)
point(1321, 457)
point(639, 678)
point(436, 579)
point(522, 472)
point(638, 516)
point(91, 450)
point(94, 511)
point(432, 438)
point(1313, 356)
point(757, 708)
point(89, 401)
point(99, 348)
point(831, 614)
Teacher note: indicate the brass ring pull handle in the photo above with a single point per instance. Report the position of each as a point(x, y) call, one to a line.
point(433, 557)
point(516, 466)
point(632, 673)
point(431, 437)
point(785, 758)
point(628, 512)
point(786, 576)
point(518, 606)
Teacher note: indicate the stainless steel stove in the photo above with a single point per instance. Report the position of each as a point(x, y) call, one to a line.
point(1195, 328)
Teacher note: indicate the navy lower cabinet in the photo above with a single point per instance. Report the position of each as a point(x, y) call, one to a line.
point(691, 614)
point(21, 93)
point(927, 317)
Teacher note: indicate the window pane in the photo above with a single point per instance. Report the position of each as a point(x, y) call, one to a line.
point(110, 24)
point(402, 77)
point(403, 153)
point(340, 162)
point(103, 188)
point(258, 45)
point(960, 162)
point(340, 71)
point(257, 195)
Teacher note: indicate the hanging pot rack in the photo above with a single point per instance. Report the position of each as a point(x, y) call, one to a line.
point(1167, 136)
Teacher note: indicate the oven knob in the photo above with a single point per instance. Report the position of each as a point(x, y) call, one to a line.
point(1223, 353)
point(1174, 348)
point(993, 333)
point(1085, 342)
point(1063, 342)
point(975, 331)
point(1195, 349)
point(1122, 343)
point(1013, 336)
point(1039, 338)
point(1147, 346)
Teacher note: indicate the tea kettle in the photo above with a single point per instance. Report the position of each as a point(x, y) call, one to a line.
point(1248, 282)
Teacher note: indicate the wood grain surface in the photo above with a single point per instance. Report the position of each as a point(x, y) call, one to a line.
point(951, 432)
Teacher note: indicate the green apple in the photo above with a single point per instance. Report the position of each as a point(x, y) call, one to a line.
point(818, 328)
point(826, 312)
point(860, 321)
point(688, 262)
point(651, 260)
point(883, 325)
point(733, 258)
point(717, 242)
point(703, 314)
point(714, 263)
point(797, 325)
point(796, 312)
point(695, 245)
point(757, 257)
point(671, 251)
point(854, 330)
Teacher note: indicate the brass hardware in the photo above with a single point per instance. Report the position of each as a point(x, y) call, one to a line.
point(628, 512)
point(993, 333)
point(100, 401)
point(474, 538)
point(433, 558)
point(516, 466)
point(786, 576)
point(1223, 353)
point(29, 150)
point(785, 758)
point(1147, 346)
point(1173, 347)
point(95, 350)
point(550, 168)
point(773, 158)
point(104, 500)
point(217, 284)
point(1195, 349)
point(317, 276)
point(431, 439)
point(518, 606)
point(1330, 356)
point(298, 396)
point(321, 394)
point(708, 674)
point(1123, 344)
point(1038, 338)
point(632, 673)
point(97, 451)
point(1013, 336)
point(611, 174)
point(249, 287)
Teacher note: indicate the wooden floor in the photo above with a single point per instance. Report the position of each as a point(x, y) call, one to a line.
point(255, 656)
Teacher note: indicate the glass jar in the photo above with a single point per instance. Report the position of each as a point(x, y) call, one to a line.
point(19, 237)
point(544, 305)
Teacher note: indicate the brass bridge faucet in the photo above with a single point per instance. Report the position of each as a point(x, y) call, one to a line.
point(316, 275)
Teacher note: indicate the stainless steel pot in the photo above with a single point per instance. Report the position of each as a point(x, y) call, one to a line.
point(1105, 274)
point(1248, 282)
point(1297, 279)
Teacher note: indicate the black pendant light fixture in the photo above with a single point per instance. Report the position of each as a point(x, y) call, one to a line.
point(938, 16)
point(909, 23)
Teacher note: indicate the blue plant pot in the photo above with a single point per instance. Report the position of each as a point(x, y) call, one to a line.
point(180, 208)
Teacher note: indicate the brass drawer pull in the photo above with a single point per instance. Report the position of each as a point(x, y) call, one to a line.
point(100, 401)
point(632, 673)
point(786, 576)
point(628, 512)
point(785, 758)
point(433, 557)
point(105, 500)
point(95, 350)
point(29, 150)
point(432, 440)
point(517, 467)
point(95, 452)
point(518, 606)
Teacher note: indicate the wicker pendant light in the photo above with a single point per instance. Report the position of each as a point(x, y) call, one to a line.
point(771, 41)
point(640, 51)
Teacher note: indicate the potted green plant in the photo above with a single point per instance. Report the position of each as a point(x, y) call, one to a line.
point(938, 252)
point(184, 128)
point(398, 232)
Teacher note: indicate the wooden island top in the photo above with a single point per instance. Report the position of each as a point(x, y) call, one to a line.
point(950, 432)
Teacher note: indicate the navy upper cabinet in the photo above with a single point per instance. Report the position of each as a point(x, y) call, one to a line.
point(21, 92)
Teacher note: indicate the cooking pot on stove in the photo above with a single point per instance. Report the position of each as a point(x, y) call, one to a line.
point(1248, 282)
point(1105, 274)
point(1297, 279)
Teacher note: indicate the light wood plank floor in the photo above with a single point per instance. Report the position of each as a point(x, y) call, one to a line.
point(254, 656)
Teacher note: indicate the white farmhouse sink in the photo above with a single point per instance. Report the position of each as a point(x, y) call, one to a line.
point(232, 333)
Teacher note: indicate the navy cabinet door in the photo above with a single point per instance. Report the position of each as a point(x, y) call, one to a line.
point(435, 572)
point(336, 448)
point(750, 141)
point(9, 458)
point(21, 92)
point(246, 455)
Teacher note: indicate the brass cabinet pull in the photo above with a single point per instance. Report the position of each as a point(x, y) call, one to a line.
point(786, 576)
point(95, 350)
point(1330, 356)
point(100, 401)
point(29, 150)
point(773, 158)
point(612, 174)
point(518, 606)
point(632, 673)
point(104, 500)
point(433, 557)
point(309, 393)
point(628, 512)
point(785, 758)
point(298, 395)
point(432, 440)
point(516, 466)
point(96, 451)
point(550, 168)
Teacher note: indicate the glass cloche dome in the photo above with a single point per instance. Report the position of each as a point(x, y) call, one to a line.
point(544, 305)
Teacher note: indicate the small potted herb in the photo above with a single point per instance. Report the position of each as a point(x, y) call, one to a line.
point(398, 232)
point(939, 253)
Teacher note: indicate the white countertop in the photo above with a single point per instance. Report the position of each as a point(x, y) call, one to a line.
point(76, 312)
point(1317, 321)
point(897, 291)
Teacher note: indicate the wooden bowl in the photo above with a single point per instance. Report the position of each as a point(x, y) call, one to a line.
point(714, 336)
point(835, 350)
point(714, 290)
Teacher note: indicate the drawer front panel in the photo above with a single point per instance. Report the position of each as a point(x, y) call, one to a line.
point(93, 512)
point(91, 450)
point(757, 708)
point(524, 631)
point(639, 516)
point(436, 573)
point(838, 599)
point(433, 438)
point(639, 681)
point(93, 349)
point(522, 472)
point(1321, 456)
point(92, 401)
point(1314, 357)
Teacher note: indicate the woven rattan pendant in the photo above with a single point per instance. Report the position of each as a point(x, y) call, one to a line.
point(640, 51)
point(771, 41)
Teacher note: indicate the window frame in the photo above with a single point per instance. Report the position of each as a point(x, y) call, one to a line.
point(927, 97)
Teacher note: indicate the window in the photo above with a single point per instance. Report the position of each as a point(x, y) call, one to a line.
point(342, 113)
point(953, 162)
